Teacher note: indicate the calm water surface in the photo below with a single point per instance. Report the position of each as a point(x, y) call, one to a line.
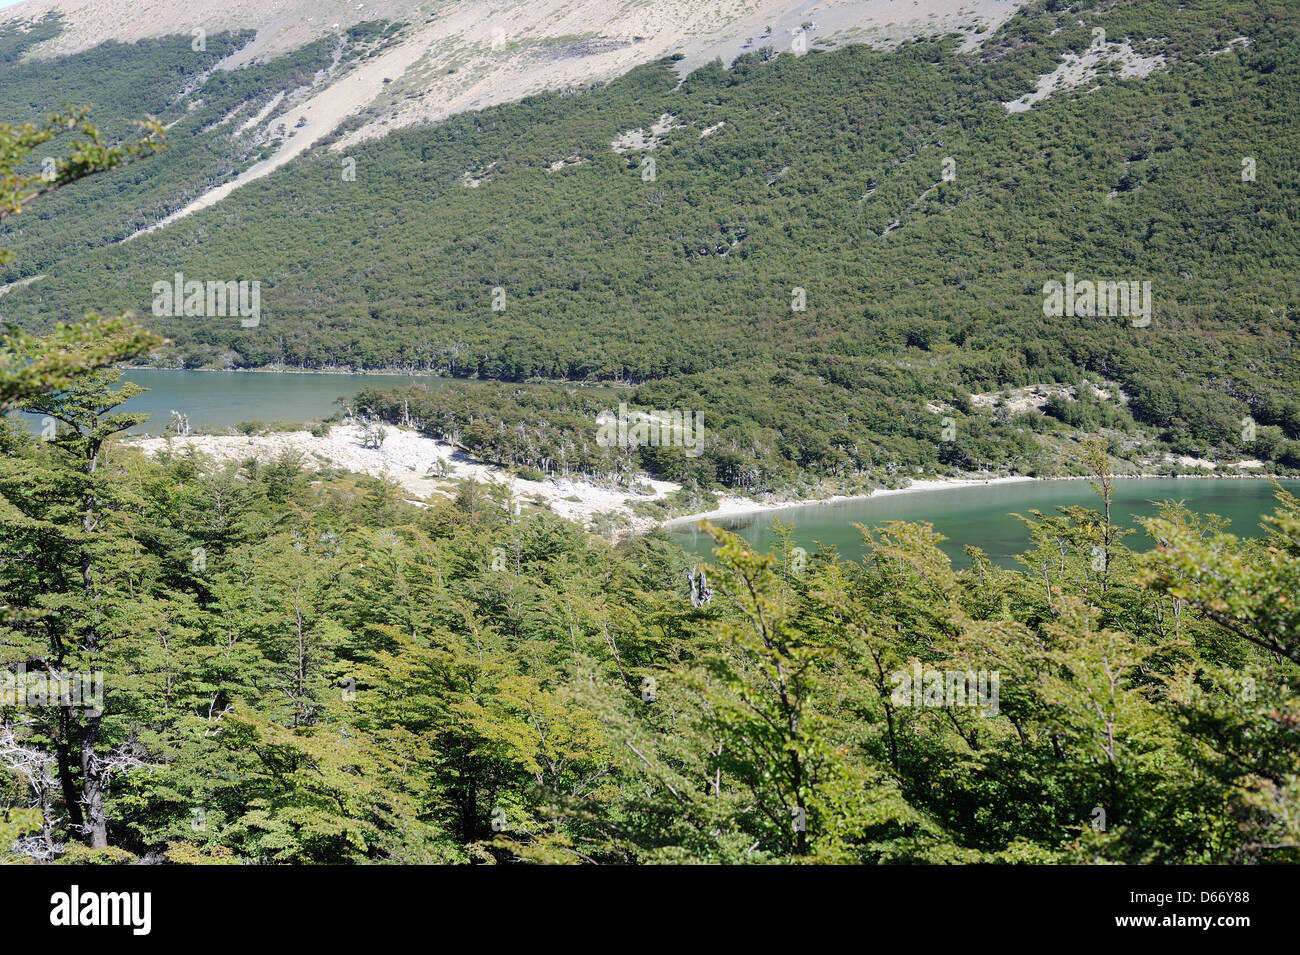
point(981, 515)
point(216, 400)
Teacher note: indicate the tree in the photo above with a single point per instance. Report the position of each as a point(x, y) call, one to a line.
point(29, 366)
point(81, 612)
point(1251, 589)
point(40, 374)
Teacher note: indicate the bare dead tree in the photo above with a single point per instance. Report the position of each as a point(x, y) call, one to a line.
point(36, 767)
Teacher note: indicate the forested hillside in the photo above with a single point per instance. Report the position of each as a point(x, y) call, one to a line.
point(252, 662)
point(822, 172)
point(298, 671)
point(170, 80)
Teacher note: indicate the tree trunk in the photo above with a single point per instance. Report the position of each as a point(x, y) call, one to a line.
point(71, 796)
point(94, 777)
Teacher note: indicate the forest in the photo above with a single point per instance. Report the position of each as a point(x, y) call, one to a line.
point(826, 177)
point(257, 663)
point(297, 669)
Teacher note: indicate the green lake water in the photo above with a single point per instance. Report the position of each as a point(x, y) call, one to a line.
point(981, 515)
point(978, 515)
point(215, 400)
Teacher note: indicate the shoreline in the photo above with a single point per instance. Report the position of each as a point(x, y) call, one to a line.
point(747, 507)
point(744, 507)
point(423, 466)
point(378, 373)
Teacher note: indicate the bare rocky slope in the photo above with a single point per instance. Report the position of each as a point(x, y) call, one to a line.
point(468, 54)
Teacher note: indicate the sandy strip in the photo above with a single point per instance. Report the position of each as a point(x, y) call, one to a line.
point(421, 465)
point(743, 506)
point(425, 467)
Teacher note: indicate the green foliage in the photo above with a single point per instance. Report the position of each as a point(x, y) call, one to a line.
point(30, 366)
point(163, 78)
point(321, 673)
point(304, 668)
point(15, 823)
point(825, 176)
point(85, 157)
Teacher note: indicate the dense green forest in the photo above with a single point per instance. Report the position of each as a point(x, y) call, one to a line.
point(300, 670)
point(826, 176)
point(258, 663)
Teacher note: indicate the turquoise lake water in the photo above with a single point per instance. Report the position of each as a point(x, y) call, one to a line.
point(215, 400)
point(981, 515)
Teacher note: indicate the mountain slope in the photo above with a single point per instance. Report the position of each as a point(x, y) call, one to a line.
point(826, 173)
point(444, 58)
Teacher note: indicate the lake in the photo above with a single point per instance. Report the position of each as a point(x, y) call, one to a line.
point(980, 515)
point(216, 400)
